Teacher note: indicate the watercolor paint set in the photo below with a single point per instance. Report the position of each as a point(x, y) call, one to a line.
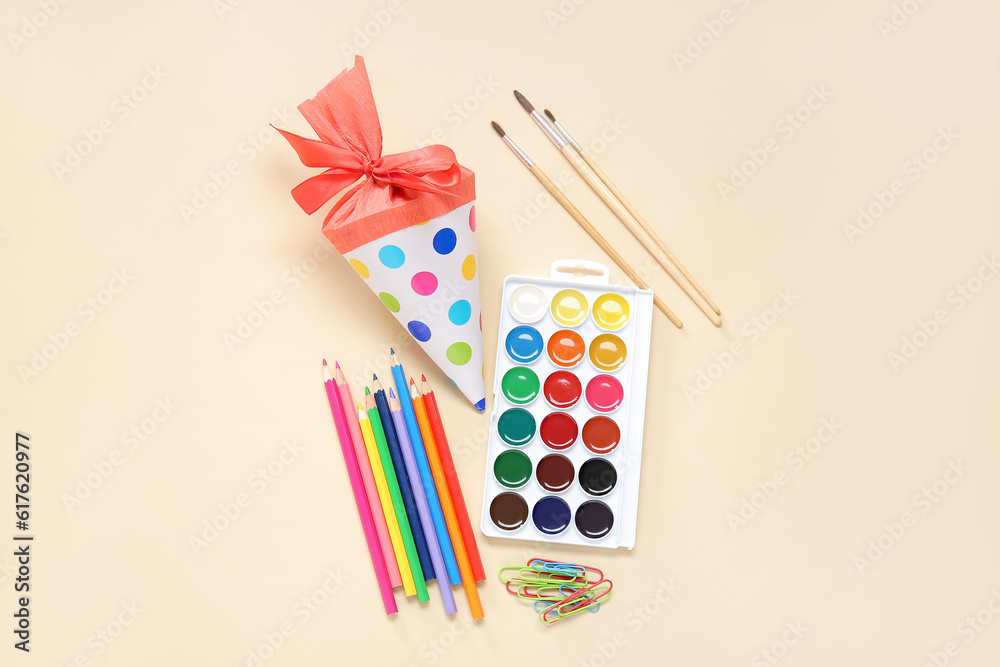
point(569, 405)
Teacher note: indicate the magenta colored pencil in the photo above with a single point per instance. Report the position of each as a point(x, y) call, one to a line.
point(369, 479)
point(360, 499)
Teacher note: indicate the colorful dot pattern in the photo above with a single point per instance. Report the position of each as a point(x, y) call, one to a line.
point(427, 276)
point(391, 256)
point(360, 267)
point(460, 312)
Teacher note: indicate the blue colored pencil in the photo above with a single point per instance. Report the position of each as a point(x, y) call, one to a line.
point(405, 484)
point(433, 541)
point(417, 441)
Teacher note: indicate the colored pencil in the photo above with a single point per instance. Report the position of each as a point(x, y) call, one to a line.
point(587, 225)
point(451, 475)
point(608, 197)
point(397, 500)
point(631, 209)
point(468, 579)
point(391, 518)
point(423, 465)
point(433, 540)
point(403, 477)
point(371, 491)
point(360, 498)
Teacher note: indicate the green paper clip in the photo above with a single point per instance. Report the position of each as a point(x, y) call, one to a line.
point(556, 589)
point(595, 595)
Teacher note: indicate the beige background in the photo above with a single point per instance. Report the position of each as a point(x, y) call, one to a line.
point(670, 134)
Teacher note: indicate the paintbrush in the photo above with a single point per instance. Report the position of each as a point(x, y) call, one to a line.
point(586, 224)
point(631, 209)
point(623, 214)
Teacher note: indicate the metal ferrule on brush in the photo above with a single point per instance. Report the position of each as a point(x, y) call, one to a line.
point(552, 132)
point(518, 152)
point(566, 135)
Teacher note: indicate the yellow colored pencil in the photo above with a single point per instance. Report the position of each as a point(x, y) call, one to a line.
point(409, 587)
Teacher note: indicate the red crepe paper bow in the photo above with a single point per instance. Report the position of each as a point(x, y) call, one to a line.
point(349, 148)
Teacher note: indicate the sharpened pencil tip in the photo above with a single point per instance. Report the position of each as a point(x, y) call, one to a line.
point(392, 351)
point(423, 378)
point(496, 126)
point(524, 101)
point(412, 382)
point(324, 362)
point(549, 114)
point(374, 378)
point(392, 394)
point(337, 364)
point(368, 391)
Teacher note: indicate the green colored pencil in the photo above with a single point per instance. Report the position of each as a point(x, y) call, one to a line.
point(397, 498)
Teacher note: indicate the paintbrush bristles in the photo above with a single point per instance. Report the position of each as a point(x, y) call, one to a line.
point(524, 101)
point(551, 132)
point(496, 126)
point(562, 131)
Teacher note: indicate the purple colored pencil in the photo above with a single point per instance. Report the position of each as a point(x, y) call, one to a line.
point(433, 540)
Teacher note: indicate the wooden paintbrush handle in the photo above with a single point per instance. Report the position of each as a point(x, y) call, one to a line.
point(601, 241)
point(616, 207)
point(646, 228)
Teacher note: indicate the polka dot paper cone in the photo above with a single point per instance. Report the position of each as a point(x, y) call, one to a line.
point(427, 275)
point(405, 221)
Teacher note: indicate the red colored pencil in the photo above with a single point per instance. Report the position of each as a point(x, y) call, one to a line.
point(454, 487)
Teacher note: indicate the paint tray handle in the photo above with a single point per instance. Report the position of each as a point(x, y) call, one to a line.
point(580, 270)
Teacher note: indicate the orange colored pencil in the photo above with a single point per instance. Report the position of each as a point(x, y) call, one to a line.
point(468, 579)
point(441, 440)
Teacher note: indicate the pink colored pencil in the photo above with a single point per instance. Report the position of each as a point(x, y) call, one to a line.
point(366, 475)
point(367, 522)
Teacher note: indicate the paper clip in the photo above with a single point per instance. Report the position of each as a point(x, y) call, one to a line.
point(533, 574)
point(556, 589)
point(533, 591)
point(568, 569)
point(523, 587)
point(585, 599)
point(590, 574)
point(545, 602)
point(519, 580)
point(507, 578)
